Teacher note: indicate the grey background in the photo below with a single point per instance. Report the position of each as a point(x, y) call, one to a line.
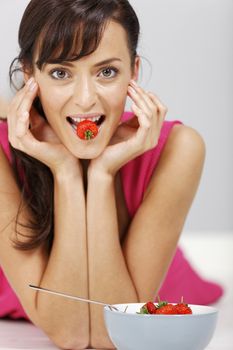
point(189, 44)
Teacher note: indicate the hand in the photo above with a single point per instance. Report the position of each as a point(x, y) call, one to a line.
point(136, 136)
point(31, 134)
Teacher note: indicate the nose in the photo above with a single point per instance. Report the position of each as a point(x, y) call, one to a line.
point(84, 94)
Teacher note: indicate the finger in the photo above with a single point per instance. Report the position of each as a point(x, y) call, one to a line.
point(25, 107)
point(22, 125)
point(147, 101)
point(148, 133)
point(27, 100)
point(23, 138)
point(143, 120)
point(162, 108)
point(139, 100)
point(20, 119)
point(16, 101)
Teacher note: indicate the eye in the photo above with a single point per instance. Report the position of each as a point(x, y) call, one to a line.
point(109, 72)
point(59, 74)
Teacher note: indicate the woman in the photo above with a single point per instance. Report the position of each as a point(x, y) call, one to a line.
point(70, 223)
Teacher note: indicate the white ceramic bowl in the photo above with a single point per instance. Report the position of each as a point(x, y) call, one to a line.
point(132, 331)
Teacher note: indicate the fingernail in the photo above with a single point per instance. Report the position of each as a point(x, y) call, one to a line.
point(32, 86)
point(133, 82)
point(29, 81)
point(131, 90)
point(25, 115)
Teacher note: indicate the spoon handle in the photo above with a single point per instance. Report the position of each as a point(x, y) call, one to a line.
point(46, 290)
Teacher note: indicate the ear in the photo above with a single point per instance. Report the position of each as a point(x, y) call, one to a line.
point(26, 70)
point(26, 76)
point(137, 64)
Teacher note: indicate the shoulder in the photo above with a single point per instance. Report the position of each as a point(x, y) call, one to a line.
point(185, 141)
point(3, 106)
point(4, 165)
point(182, 158)
point(5, 156)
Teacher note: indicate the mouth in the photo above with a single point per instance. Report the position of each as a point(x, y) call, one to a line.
point(97, 119)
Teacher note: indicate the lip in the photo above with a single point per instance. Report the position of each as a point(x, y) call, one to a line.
point(86, 116)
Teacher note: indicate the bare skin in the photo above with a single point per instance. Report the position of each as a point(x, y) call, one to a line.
point(3, 107)
point(104, 246)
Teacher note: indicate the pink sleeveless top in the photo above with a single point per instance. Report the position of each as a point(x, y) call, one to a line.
point(181, 278)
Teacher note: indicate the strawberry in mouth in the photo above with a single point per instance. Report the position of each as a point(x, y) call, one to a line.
point(86, 128)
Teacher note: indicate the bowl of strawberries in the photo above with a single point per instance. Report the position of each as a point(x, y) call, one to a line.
point(161, 325)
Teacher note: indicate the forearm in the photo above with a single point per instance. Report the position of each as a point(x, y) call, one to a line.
point(66, 270)
point(109, 279)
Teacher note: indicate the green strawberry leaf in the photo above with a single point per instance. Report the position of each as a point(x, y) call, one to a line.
point(143, 310)
point(88, 134)
point(162, 303)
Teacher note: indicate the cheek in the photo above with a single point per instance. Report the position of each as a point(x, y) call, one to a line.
point(52, 99)
point(116, 97)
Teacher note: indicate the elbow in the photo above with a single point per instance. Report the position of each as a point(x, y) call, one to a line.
point(66, 333)
point(67, 341)
point(67, 338)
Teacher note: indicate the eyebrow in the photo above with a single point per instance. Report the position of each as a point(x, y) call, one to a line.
point(101, 63)
point(110, 60)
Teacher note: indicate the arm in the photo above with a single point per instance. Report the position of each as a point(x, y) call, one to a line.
point(109, 279)
point(3, 107)
point(67, 321)
point(165, 206)
point(153, 234)
point(65, 268)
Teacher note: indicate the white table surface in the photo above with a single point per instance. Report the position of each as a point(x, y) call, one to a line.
point(210, 253)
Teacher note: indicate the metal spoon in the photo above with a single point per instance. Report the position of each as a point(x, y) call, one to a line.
point(46, 290)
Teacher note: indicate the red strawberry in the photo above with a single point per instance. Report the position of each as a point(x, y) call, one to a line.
point(183, 308)
point(86, 130)
point(164, 308)
point(151, 307)
point(148, 308)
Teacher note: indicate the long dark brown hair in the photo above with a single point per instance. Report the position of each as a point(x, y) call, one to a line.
point(60, 30)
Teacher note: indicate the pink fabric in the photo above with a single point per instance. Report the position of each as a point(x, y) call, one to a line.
point(4, 139)
point(181, 278)
point(10, 305)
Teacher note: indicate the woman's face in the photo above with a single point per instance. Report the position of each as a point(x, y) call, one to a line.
point(95, 85)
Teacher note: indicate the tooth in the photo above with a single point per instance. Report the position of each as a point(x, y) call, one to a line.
point(78, 119)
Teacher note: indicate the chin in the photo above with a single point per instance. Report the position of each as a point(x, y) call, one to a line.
point(90, 149)
point(88, 153)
